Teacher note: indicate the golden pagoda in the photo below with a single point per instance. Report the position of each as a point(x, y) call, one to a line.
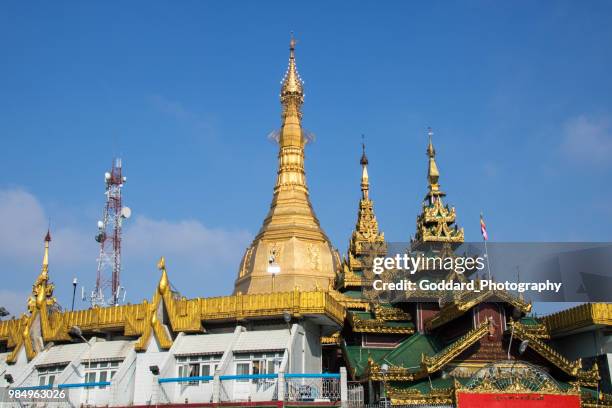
point(290, 250)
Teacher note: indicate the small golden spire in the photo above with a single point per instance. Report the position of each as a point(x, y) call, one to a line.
point(365, 180)
point(432, 174)
point(163, 280)
point(45, 263)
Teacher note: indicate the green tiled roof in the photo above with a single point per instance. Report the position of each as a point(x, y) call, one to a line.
point(529, 321)
point(408, 353)
point(357, 357)
point(355, 294)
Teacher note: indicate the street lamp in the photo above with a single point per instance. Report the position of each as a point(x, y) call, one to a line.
point(287, 319)
point(384, 369)
point(273, 268)
point(74, 285)
point(76, 331)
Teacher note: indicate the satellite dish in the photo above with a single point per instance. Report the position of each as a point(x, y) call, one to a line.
point(107, 176)
point(100, 224)
point(126, 212)
point(523, 346)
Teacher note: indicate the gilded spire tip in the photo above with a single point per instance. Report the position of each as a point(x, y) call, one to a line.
point(431, 152)
point(292, 84)
point(364, 158)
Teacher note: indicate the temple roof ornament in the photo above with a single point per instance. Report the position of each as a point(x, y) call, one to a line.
point(291, 233)
point(366, 239)
point(436, 223)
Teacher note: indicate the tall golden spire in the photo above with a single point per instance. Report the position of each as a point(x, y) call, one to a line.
point(290, 236)
point(291, 174)
point(436, 223)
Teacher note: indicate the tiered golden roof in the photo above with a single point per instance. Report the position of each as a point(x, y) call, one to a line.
point(436, 223)
point(290, 236)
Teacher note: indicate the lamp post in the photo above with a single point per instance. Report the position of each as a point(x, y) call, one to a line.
point(384, 369)
point(273, 269)
point(76, 331)
point(74, 285)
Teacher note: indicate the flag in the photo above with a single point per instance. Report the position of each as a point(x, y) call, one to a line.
point(483, 229)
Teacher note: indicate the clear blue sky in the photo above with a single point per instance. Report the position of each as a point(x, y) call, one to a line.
point(518, 95)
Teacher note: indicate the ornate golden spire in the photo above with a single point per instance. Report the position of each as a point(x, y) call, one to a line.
point(290, 234)
point(366, 239)
point(436, 222)
point(432, 174)
point(42, 290)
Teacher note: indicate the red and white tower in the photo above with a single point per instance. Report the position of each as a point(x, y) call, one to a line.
point(108, 290)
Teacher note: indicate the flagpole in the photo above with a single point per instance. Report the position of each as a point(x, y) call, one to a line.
point(487, 256)
point(485, 239)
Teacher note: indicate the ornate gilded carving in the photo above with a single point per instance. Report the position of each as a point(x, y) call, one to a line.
point(464, 301)
point(573, 368)
point(580, 316)
point(376, 326)
point(390, 313)
point(435, 397)
point(313, 256)
point(434, 363)
point(334, 339)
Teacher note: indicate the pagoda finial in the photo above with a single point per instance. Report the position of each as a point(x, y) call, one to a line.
point(365, 181)
point(432, 174)
point(364, 158)
point(45, 263)
point(292, 90)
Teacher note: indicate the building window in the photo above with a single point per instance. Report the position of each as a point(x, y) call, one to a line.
point(47, 375)
point(194, 371)
point(242, 369)
point(90, 377)
point(103, 371)
point(193, 366)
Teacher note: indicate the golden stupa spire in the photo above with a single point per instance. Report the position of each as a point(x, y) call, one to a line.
point(290, 235)
point(291, 172)
point(436, 223)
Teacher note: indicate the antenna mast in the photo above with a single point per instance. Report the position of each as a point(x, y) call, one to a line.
point(107, 290)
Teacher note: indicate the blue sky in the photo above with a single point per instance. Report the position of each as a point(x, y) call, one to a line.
point(518, 95)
